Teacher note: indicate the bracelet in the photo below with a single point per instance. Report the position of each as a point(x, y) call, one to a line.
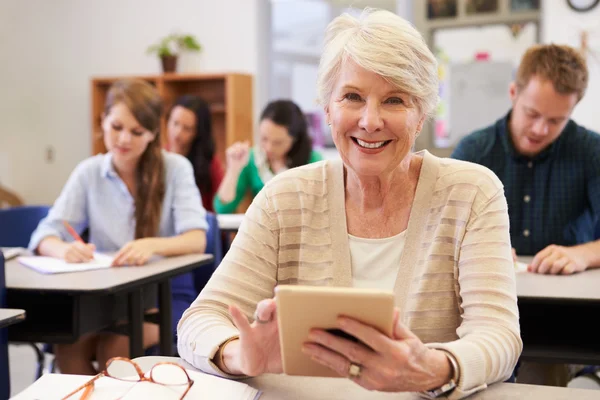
point(220, 352)
point(454, 363)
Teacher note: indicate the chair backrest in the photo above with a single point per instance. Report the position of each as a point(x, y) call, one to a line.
point(18, 223)
point(9, 198)
point(4, 373)
point(214, 246)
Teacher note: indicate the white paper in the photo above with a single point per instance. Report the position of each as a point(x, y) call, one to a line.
point(520, 266)
point(230, 221)
point(12, 252)
point(51, 265)
point(56, 386)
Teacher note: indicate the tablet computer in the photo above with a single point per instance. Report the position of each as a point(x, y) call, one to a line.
point(301, 308)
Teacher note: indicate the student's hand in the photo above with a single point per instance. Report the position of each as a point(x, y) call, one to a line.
point(558, 260)
point(514, 254)
point(237, 155)
point(77, 252)
point(401, 363)
point(136, 252)
point(257, 350)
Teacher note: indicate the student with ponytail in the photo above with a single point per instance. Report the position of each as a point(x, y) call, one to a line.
point(136, 201)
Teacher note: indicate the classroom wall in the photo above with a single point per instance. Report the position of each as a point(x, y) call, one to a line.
point(562, 25)
point(52, 48)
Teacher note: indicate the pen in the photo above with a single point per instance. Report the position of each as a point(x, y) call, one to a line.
point(73, 233)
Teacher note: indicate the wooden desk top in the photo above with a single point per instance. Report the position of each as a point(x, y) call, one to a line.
point(20, 277)
point(583, 286)
point(9, 316)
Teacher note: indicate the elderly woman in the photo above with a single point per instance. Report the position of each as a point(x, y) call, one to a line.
point(435, 231)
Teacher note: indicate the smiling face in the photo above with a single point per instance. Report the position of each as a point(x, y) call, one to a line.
point(539, 115)
point(373, 125)
point(124, 136)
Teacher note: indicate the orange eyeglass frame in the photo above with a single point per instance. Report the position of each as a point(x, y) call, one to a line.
point(89, 385)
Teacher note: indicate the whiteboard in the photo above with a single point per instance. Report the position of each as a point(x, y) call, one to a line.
point(478, 93)
point(465, 50)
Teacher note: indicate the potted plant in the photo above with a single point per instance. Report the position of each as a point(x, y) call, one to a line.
point(169, 48)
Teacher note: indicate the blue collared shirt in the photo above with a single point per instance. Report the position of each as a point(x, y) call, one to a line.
point(96, 198)
point(554, 197)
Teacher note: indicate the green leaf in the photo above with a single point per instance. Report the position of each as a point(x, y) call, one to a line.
point(172, 44)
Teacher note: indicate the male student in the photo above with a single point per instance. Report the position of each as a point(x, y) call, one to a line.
point(550, 168)
point(549, 165)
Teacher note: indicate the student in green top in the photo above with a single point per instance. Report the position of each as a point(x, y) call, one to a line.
point(284, 143)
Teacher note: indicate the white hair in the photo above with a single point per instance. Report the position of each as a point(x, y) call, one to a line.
point(386, 44)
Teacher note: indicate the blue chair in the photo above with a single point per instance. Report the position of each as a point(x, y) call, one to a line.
point(18, 223)
point(185, 288)
point(16, 226)
point(214, 246)
point(4, 367)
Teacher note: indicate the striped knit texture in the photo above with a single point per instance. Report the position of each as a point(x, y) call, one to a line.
point(456, 284)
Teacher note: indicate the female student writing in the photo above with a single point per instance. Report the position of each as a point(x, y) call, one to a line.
point(284, 143)
point(189, 133)
point(136, 200)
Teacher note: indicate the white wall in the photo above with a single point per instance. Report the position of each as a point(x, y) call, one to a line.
point(51, 49)
point(561, 25)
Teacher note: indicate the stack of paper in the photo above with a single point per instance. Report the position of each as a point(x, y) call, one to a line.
point(50, 265)
point(12, 252)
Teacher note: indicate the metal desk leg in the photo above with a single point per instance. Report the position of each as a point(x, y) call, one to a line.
point(136, 322)
point(164, 304)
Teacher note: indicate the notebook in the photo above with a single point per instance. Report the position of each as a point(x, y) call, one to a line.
point(51, 265)
point(12, 252)
point(56, 386)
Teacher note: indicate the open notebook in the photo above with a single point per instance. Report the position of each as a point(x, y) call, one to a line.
point(56, 386)
point(51, 265)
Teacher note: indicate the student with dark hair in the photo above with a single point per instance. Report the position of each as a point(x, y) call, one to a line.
point(284, 143)
point(189, 133)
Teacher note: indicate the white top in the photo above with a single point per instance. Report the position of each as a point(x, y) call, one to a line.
point(375, 262)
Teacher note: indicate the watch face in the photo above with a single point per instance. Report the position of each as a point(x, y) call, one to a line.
point(583, 5)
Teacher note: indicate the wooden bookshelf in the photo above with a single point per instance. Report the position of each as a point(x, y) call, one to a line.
point(228, 95)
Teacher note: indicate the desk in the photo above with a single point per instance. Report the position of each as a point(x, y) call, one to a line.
point(10, 316)
point(297, 388)
point(556, 314)
point(280, 387)
point(230, 222)
point(63, 307)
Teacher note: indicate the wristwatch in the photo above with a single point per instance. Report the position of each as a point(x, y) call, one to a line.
point(448, 387)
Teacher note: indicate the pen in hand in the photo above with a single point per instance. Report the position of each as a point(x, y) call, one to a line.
point(73, 233)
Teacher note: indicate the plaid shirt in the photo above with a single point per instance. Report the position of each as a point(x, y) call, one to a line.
point(554, 197)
